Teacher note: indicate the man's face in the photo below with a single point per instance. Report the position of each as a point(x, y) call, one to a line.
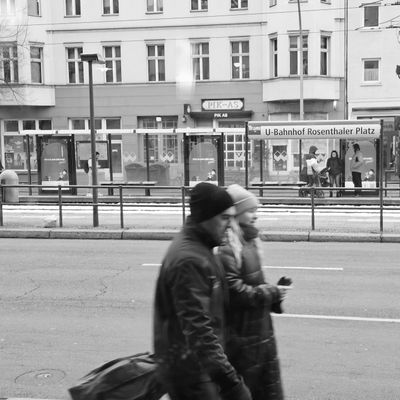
point(218, 225)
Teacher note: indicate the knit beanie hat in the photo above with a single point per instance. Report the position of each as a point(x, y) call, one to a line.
point(207, 201)
point(242, 198)
point(312, 149)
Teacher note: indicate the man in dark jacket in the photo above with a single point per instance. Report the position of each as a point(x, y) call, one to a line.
point(190, 305)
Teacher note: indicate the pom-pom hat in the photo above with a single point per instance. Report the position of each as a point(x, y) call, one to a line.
point(242, 198)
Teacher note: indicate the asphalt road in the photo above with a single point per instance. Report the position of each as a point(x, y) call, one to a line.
point(69, 305)
point(139, 216)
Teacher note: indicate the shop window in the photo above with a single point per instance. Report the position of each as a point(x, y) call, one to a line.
point(16, 146)
point(279, 157)
point(162, 147)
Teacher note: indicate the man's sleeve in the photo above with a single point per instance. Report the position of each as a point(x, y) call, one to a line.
point(190, 285)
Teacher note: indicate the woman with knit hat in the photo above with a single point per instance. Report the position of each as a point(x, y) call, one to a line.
point(251, 348)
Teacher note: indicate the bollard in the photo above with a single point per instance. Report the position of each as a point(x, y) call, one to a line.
point(10, 194)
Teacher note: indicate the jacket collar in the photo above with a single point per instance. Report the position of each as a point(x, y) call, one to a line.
point(198, 233)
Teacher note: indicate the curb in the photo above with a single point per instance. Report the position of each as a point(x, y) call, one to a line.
point(122, 234)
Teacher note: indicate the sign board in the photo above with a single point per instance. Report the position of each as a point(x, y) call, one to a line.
point(325, 129)
point(222, 104)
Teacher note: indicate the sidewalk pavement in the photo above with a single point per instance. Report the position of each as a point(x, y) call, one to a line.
point(164, 234)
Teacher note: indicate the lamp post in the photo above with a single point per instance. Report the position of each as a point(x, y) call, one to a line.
point(90, 59)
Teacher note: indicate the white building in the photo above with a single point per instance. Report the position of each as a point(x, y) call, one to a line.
point(174, 65)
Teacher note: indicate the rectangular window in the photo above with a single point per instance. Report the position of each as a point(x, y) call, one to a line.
point(112, 55)
point(371, 16)
point(154, 5)
point(110, 6)
point(36, 64)
point(34, 8)
point(201, 61)
point(73, 7)
point(237, 4)
point(9, 63)
point(240, 60)
point(75, 65)
point(199, 5)
point(371, 71)
point(7, 7)
point(295, 54)
point(156, 62)
point(274, 57)
point(325, 49)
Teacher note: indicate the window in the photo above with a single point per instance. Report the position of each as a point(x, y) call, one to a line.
point(75, 65)
point(279, 158)
point(34, 8)
point(36, 64)
point(201, 61)
point(198, 5)
point(16, 150)
point(73, 7)
point(371, 70)
point(371, 16)
point(154, 5)
point(325, 48)
point(7, 7)
point(272, 3)
point(274, 57)
point(240, 60)
point(156, 62)
point(110, 6)
point(9, 63)
point(236, 4)
point(112, 55)
point(162, 147)
point(295, 54)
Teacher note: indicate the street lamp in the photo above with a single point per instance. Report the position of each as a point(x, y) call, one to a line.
point(90, 59)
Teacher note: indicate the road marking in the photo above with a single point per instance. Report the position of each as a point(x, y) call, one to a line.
point(341, 318)
point(312, 268)
point(271, 267)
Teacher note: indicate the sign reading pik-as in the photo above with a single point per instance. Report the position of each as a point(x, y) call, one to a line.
point(359, 129)
point(222, 104)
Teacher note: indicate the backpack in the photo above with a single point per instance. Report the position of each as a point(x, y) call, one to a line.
point(126, 378)
point(85, 166)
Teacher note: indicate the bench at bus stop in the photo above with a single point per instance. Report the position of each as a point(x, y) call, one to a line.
point(111, 185)
point(275, 184)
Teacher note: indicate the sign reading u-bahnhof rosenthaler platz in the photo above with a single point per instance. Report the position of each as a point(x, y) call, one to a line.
point(357, 129)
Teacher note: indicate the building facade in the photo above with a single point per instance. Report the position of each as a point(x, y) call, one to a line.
point(180, 80)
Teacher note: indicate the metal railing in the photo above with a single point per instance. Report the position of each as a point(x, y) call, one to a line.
point(313, 198)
